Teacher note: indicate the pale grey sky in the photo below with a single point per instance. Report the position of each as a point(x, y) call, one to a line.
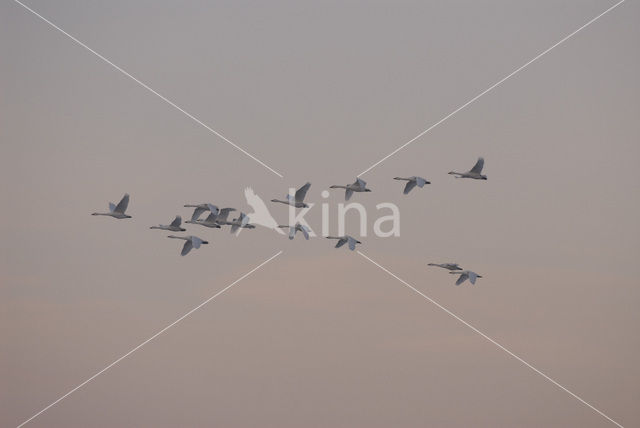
point(320, 91)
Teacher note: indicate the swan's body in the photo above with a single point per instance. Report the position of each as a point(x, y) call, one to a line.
point(359, 186)
point(199, 209)
point(298, 199)
point(448, 266)
point(297, 228)
point(174, 226)
point(210, 221)
point(474, 173)
point(192, 242)
point(241, 222)
point(117, 211)
point(466, 274)
point(260, 215)
point(412, 182)
point(345, 239)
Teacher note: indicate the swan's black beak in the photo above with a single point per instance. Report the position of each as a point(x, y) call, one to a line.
point(367, 190)
point(205, 242)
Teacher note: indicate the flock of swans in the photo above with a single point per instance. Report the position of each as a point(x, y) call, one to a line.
point(218, 217)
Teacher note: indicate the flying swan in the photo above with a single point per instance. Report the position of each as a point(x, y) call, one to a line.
point(298, 199)
point(344, 239)
point(210, 221)
point(117, 211)
point(475, 172)
point(174, 226)
point(359, 186)
point(199, 209)
point(192, 242)
point(448, 266)
point(466, 274)
point(297, 228)
point(412, 182)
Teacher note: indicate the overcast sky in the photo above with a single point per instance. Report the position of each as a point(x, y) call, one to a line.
point(320, 91)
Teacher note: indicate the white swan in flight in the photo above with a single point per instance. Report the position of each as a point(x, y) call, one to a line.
point(466, 274)
point(358, 186)
point(260, 215)
point(298, 199)
point(117, 211)
point(344, 239)
point(448, 266)
point(174, 226)
point(223, 213)
point(199, 209)
point(241, 222)
point(475, 172)
point(297, 228)
point(412, 182)
point(210, 221)
point(192, 242)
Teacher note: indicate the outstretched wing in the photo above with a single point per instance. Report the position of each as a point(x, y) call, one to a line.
point(347, 194)
point(292, 232)
point(234, 227)
point(302, 192)
point(361, 182)
point(122, 205)
point(196, 241)
point(211, 217)
point(186, 248)
point(341, 242)
point(197, 212)
point(223, 214)
point(254, 200)
point(352, 243)
point(244, 219)
point(176, 221)
point(477, 168)
point(214, 209)
point(472, 277)
point(410, 185)
point(462, 279)
point(112, 207)
point(305, 231)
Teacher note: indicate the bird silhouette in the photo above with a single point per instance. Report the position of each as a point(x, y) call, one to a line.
point(260, 215)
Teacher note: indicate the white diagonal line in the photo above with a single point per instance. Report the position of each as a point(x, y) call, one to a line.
point(144, 85)
point(405, 283)
point(150, 339)
point(499, 82)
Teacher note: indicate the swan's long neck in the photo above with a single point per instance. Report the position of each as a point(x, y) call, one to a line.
point(278, 200)
point(102, 214)
point(401, 178)
point(336, 186)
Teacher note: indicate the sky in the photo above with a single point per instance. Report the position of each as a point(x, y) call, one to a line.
point(320, 91)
